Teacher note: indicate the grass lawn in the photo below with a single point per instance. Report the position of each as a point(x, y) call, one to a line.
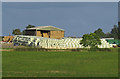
point(60, 64)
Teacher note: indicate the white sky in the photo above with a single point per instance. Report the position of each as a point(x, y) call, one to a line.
point(60, 0)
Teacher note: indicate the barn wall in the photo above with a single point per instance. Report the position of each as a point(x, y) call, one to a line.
point(30, 32)
point(53, 34)
point(56, 34)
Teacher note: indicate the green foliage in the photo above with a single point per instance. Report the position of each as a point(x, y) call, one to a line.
point(114, 32)
point(65, 50)
point(108, 35)
point(91, 40)
point(23, 32)
point(100, 49)
point(99, 33)
point(30, 49)
point(30, 26)
point(94, 49)
point(16, 32)
point(0, 38)
point(119, 30)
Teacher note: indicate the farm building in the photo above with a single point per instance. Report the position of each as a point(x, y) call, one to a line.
point(45, 31)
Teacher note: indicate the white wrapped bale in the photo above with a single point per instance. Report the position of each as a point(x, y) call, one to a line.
point(54, 43)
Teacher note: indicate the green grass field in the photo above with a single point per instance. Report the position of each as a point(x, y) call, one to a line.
point(60, 64)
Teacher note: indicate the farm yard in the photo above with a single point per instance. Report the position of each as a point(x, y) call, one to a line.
point(60, 63)
point(31, 56)
point(50, 54)
point(65, 40)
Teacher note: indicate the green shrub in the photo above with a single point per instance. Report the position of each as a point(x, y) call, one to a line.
point(80, 49)
point(100, 49)
point(30, 49)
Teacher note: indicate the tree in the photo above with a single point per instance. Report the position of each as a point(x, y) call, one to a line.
point(118, 30)
point(114, 32)
point(91, 40)
point(23, 32)
point(100, 33)
point(16, 32)
point(108, 35)
point(30, 26)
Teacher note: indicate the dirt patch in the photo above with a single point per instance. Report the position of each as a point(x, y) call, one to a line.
point(6, 49)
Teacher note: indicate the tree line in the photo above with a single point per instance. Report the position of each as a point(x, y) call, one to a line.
point(114, 33)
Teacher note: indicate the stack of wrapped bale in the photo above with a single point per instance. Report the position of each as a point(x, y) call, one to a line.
point(8, 38)
point(43, 42)
point(104, 44)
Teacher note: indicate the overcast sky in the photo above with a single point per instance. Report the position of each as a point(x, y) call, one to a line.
point(75, 18)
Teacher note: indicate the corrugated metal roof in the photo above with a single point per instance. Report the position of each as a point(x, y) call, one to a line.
point(45, 28)
point(114, 42)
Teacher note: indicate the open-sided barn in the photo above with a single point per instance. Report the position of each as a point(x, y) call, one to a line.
point(45, 31)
